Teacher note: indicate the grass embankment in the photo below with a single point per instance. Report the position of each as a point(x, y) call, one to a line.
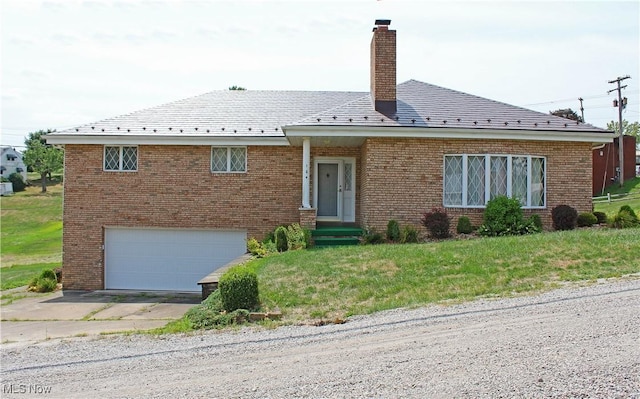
point(31, 233)
point(340, 282)
point(631, 188)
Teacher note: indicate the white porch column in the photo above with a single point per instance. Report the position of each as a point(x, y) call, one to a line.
point(306, 172)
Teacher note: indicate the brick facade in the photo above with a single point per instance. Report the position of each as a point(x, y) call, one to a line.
point(174, 188)
point(415, 166)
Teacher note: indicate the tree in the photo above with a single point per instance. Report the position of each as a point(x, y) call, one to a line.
point(234, 87)
point(630, 129)
point(567, 113)
point(41, 157)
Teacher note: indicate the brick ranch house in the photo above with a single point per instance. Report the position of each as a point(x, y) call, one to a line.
point(157, 199)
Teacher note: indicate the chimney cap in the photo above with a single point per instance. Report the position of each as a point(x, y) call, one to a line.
point(383, 22)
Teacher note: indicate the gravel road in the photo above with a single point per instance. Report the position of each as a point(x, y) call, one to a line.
point(571, 342)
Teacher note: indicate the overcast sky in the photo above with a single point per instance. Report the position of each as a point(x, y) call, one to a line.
point(67, 63)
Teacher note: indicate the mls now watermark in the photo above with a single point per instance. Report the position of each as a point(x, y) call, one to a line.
point(26, 389)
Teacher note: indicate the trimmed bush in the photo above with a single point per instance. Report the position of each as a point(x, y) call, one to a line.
point(601, 216)
point(256, 248)
point(372, 237)
point(464, 225)
point(239, 289)
point(535, 221)
point(627, 208)
point(586, 219)
point(409, 235)
point(17, 181)
point(564, 217)
point(437, 223)
point(393, 231)
point(295, 237)
point(282, 244)
point(503, 216)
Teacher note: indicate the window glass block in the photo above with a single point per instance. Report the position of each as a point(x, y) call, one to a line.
point(498, 177)
point(537, 182)
point(475, 180)
point(519, 179)
point(111, 158)
point(129, 158)
point(238, 159)
point(453, 180)
point(219, 159)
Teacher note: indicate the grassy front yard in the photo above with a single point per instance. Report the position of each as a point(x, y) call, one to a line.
point(340, 282)
point(630, 187)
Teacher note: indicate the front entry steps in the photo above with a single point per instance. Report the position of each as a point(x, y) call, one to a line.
point(329, 236)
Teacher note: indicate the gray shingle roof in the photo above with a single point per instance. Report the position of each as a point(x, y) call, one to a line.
point(424, 105)
point(264, 113)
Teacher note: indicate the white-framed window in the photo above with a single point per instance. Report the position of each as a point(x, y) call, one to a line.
point(470, 181)
point(120, 158)
point(229, 159)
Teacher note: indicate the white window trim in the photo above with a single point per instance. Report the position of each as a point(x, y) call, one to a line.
point(228, 170)
point(120, 158)
point(487, 181)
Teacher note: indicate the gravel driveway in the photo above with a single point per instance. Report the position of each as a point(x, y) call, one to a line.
point(572, 342)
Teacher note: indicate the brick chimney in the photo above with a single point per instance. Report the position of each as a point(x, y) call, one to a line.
point(383, 67)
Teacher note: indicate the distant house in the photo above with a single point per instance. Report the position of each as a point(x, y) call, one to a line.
point(11, 162)
point(157, 199)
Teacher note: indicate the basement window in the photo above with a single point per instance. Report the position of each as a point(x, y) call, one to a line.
point(229, 159)
point(121, 158)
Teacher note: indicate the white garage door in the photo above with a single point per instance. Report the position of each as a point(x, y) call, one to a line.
point(175, 260)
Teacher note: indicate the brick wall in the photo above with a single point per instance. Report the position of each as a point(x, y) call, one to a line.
point(173, 188)
point(403, 178)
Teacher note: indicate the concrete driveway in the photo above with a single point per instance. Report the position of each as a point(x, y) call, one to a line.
point(37, 317)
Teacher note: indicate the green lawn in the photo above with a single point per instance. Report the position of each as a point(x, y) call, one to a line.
point(339, 282)
point(630, 187)
point(31, 233)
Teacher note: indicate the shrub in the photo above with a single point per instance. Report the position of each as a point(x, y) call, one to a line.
point(464, 225)
point(627, 208)
point(18, 183)
point(409, 234)
point(239, 289)
point(281, 239)
point(503, 216)
point(210, 314)
point(601, 216)
point(393, 231)
point(586, 219)
point(372, 237)
point(535, 221)
point(256, 248)
point(295, 237)
point(437, 222)
point(45, 282)
point(564, 217)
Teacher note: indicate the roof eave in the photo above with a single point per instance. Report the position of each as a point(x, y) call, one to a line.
point(449, 133)
point(128, 139)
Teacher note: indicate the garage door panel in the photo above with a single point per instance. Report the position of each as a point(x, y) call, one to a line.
point(150, 259)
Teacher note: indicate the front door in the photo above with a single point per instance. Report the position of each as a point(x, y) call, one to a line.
point(329, 200)
point(334, 187)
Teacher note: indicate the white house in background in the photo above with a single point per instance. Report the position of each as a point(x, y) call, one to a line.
point(11, 162)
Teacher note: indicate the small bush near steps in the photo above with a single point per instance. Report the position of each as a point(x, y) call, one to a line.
point(393, 231)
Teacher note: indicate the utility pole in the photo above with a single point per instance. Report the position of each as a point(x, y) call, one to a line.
point(619, 103)
point(581, 109)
